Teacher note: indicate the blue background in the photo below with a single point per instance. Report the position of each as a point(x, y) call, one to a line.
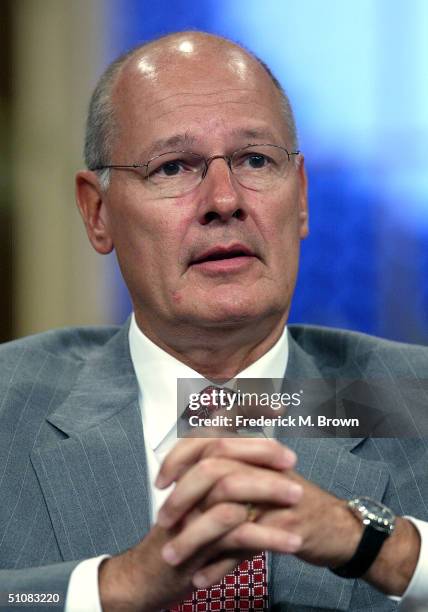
point(357, 77)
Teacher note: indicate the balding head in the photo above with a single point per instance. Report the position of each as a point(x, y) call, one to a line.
point(189, 59)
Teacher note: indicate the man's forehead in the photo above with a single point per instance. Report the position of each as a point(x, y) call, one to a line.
point(187, 77)
point(196, 61)
point(190, 47)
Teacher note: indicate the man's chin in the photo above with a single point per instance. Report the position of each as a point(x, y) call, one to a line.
point(228, 315)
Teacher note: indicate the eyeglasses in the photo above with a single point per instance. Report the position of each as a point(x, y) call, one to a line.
point(176, 173)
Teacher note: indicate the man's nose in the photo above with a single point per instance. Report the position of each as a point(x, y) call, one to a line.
point(221, 199)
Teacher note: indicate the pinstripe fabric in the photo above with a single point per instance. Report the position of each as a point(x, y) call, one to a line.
point(394, 471)
point(72, 460)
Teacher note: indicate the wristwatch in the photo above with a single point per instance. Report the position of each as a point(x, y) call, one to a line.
point(379, 523)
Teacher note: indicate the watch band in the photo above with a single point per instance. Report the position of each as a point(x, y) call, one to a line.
point(367, 551)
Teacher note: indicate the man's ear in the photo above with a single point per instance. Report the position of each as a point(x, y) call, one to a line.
point(303, 198)
point(90, 200)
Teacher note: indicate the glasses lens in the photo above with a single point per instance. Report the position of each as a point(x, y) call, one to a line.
point(175, 173)
point(259, 166)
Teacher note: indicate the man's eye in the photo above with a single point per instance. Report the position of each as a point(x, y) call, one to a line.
point(253, 161)
point(171, 168)
point(257, 161)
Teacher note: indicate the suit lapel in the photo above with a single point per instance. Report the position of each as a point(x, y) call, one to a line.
point(328, 462)
point(95, 481)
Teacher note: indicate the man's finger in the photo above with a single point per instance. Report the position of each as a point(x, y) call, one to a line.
point(262, 452)
point(213, 481)
point(204, 530)
point(224, 528)
point(214, 573)
point(256, 486)
point(192, 487)
point(254, 536)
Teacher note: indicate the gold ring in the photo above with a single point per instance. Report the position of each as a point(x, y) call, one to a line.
point(252, 513)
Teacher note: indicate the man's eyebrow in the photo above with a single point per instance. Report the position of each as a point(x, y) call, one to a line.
point(185, 141)
point(175, 142)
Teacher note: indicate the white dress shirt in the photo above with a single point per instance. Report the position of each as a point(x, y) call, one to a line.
point(157, 373)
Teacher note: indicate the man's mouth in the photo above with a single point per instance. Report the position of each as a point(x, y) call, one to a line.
point(224, 259)
point(219, 253)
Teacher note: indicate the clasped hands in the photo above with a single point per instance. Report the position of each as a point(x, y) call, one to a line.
point(207, 512)
point(203, 529)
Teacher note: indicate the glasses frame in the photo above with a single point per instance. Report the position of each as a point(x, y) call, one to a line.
point(207, 160)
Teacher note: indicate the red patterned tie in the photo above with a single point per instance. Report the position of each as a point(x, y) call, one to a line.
point(244, 589)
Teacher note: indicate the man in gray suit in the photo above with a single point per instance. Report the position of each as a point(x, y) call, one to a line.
point(194, 177)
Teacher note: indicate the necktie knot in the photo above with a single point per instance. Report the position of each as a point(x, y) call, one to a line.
point(211, 399)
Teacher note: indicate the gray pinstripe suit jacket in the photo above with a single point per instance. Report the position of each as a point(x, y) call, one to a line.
point(73, 479)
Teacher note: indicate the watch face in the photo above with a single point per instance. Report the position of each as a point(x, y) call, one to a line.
point(374, 513)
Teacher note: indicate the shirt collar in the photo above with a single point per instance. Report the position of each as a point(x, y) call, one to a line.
point(157, 372)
